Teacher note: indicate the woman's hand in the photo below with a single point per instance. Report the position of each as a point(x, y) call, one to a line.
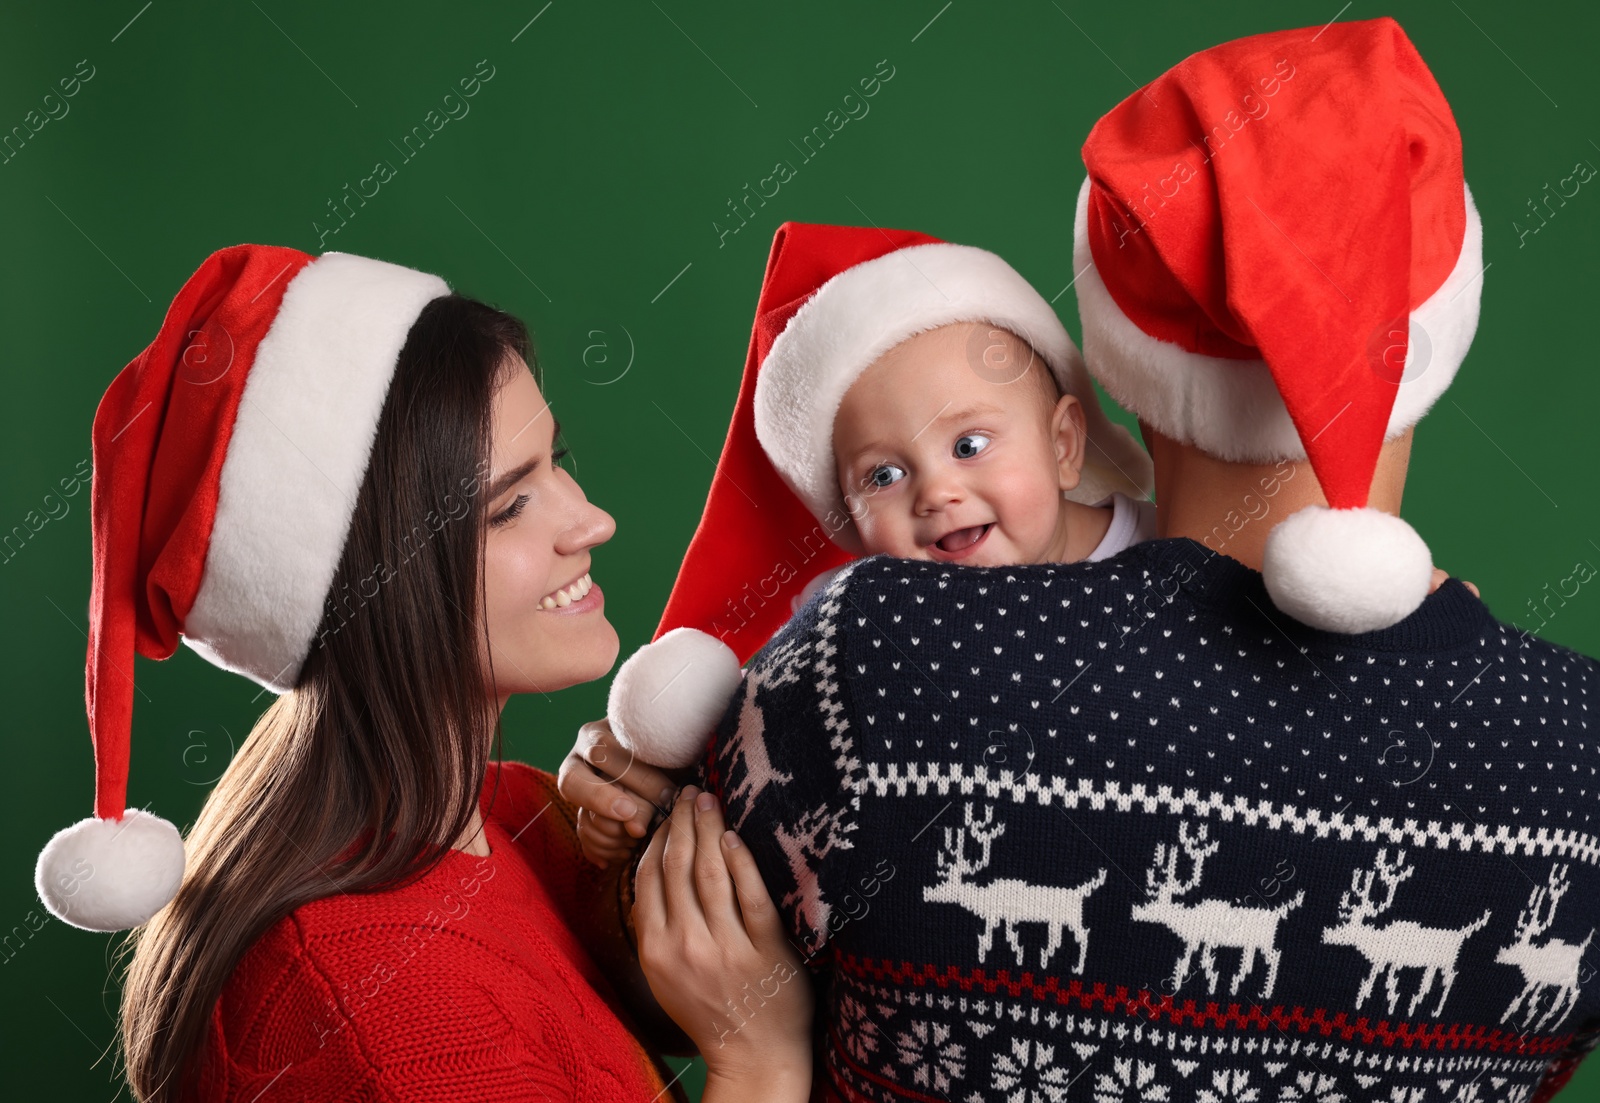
point(616, 795)
point(713, 948)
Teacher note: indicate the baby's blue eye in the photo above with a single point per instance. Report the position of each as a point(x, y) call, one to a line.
point(970, 445)
point(885, 474)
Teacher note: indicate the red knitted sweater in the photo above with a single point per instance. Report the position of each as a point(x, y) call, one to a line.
point(477, 982)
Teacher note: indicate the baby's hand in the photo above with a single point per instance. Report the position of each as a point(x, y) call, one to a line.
point(617, 796)
point(1440, 575)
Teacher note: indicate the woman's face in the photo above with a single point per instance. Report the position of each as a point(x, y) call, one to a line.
point(546, 620)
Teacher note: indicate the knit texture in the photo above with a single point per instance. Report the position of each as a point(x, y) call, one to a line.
point(1124, 831)
point(477, 982)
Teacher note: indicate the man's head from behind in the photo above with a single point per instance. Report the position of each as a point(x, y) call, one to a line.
point(1255, 300)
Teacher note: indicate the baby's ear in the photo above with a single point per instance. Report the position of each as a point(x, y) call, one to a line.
point(1071, 437)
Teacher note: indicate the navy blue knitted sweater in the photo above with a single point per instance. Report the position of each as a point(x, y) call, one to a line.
point(1123, 831)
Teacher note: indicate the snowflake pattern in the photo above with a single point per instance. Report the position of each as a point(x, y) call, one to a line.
point(1130, 1083)
point(1030, 1079)
point(858, 1029)
point(1312, 1087)
point(935, 1060)
point(1229, 1086)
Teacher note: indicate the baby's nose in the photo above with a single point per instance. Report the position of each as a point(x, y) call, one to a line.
point(938, 493)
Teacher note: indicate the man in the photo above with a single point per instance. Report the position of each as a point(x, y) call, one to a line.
point(1165, 826)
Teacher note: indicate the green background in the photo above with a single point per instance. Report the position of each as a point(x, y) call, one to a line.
point(586, 178)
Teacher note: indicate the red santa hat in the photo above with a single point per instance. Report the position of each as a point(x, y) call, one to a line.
point(833, 300)
point(227, 460)
point(1280, 260)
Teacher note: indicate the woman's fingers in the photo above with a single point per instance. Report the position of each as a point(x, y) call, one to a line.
point(678, 861)
point(583, 786)
point(603, 829)
point(601, 776)
point(700, 966)
point(755, 905)
point(649, 887)
point(711, 874)
point(649, 788)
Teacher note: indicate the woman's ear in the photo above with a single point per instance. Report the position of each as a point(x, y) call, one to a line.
point(1070, 434)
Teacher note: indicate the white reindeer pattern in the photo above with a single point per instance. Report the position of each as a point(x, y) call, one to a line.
point(1400, 943)
point(1549, 966)
point(1008, 900)
point(800, 846)
point(749, 742)
point(1209, 925)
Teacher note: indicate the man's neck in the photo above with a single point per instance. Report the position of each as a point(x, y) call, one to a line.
point(1231, 507)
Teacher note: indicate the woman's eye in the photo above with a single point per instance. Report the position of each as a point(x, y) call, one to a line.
point(970, 445)
point(885, 474)
point(509, 514)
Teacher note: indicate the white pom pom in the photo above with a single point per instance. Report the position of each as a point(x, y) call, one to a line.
point(109, 875)
point(1346, 570)
point(667, 699)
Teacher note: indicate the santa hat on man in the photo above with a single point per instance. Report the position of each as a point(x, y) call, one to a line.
point(227, 460)
point(1279, 260)
point(833, 300)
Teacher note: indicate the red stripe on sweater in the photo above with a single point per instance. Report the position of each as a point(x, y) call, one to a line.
point(1104, 997)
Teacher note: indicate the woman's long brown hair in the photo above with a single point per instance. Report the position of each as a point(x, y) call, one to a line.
point(366, 773)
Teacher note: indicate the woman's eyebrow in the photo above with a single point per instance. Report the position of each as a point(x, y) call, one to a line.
point(512, 477)
point(521, 471)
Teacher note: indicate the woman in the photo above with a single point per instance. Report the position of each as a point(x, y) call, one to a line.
point(340, 479)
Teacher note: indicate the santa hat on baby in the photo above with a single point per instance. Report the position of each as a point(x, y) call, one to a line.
point(1279, 259)
point(227, 459)
point(833, 300)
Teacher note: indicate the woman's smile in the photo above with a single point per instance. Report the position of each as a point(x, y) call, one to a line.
point(580, 596)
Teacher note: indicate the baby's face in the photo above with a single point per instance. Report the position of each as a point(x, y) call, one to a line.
point(946, 451)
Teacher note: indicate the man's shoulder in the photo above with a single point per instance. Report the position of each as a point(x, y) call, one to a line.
point(883, 598)
point(1151, 597)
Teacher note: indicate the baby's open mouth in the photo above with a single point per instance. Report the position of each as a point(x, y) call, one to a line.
point(962, 539)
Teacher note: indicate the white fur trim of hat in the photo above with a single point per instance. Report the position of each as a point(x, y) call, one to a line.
point(296, 461)
point(1231, 409)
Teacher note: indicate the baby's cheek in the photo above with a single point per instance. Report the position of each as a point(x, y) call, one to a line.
point(884, 534)
point(1028, 507)
point(879, 540)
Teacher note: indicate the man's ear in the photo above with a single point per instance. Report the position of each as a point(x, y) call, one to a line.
point(1070, 433)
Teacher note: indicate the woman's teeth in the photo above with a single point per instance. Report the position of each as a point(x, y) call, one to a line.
point(562, 598)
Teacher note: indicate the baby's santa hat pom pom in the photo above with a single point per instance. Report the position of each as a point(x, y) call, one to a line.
point(109, 875)
point(1346, 570)
point(667, 699)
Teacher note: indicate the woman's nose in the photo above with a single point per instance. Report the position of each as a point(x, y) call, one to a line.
point(590, 526)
